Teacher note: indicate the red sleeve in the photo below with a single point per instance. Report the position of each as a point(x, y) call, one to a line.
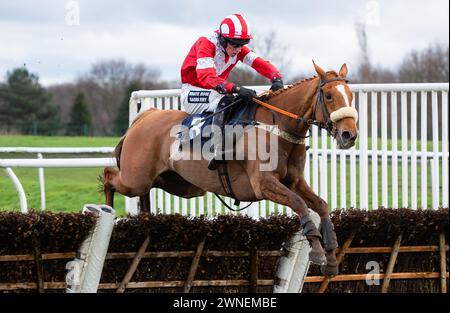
point(263, 67)
point(206, 72)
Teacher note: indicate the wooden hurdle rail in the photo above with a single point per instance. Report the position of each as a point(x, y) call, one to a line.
point(442, 248)
point(253, 282)
point(84, 271)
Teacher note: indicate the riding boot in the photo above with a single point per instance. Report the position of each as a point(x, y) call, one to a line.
point(218, 121)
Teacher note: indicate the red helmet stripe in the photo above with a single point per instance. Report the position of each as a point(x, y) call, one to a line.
point(231, 27)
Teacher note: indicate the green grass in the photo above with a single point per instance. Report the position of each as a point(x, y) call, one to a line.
point(57, 141)
point(67, 189)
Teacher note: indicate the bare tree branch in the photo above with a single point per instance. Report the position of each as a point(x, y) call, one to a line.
point(272, 50)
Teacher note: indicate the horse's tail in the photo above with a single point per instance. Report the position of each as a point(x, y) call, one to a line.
point(109, 172)
point(118, 150)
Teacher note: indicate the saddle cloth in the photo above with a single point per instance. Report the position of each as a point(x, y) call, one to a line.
point(194, 125)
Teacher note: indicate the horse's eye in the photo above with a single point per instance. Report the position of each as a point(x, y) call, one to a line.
point(328, 96)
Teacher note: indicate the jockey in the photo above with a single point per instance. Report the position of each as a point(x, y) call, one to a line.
point(206, 68)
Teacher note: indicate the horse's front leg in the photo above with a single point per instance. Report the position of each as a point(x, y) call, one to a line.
point(329, 238)
point(267, 186)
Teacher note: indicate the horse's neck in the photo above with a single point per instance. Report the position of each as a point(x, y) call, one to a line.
point(298, 99)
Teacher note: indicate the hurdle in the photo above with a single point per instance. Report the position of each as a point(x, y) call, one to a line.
point(85, 270)
point(293, 267)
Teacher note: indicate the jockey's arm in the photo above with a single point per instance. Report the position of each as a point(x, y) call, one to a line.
point(262, 66)
point(206, 72)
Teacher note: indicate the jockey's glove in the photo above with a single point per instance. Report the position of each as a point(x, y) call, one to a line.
point(277, 83)
point(245, 94)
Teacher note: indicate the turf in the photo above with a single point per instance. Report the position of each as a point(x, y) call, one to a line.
point(66, 189)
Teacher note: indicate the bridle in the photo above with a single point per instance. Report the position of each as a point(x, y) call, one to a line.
point(328, 125)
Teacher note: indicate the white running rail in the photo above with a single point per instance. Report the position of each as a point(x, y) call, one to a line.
point(42, 163)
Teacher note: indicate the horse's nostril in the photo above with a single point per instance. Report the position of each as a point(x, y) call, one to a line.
point(346, 135)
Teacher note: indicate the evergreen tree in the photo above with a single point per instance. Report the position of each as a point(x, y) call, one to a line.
point(25, 105)
point(80, 119)
point(122, 114)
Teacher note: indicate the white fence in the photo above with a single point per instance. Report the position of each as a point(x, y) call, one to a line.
point(42, 163)
point(392, 166)
point(401, 159)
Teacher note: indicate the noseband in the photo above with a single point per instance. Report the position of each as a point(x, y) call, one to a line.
point(328, 125)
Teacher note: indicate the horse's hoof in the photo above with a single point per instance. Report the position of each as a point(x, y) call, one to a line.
point(317, 254)
point(317, 258)
point(329, 271)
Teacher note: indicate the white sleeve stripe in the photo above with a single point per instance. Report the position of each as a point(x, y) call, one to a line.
point(205, 63)
point(249, 58)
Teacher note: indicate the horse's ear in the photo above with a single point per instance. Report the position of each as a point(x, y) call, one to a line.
point(319, 70)
point(343, 71)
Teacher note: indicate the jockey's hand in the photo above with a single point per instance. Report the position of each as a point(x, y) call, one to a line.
point(245, 94)
point(277, 83)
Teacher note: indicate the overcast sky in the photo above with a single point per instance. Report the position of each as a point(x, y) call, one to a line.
point(59, 40)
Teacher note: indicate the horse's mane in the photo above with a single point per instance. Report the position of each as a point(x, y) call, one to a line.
point(280, 91)
point(299, 82)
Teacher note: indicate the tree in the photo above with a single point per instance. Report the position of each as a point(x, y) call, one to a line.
point(365, 67)
point(122, 115)
point(25, 106)
point(104, 88)
point(366, 71)
point(427, 66)
point(80, 118)
point(269, 48)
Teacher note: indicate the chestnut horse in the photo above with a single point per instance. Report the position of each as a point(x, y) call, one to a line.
point(145, 160)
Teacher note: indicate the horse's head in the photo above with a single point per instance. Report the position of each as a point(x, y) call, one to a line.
point(335, 106)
